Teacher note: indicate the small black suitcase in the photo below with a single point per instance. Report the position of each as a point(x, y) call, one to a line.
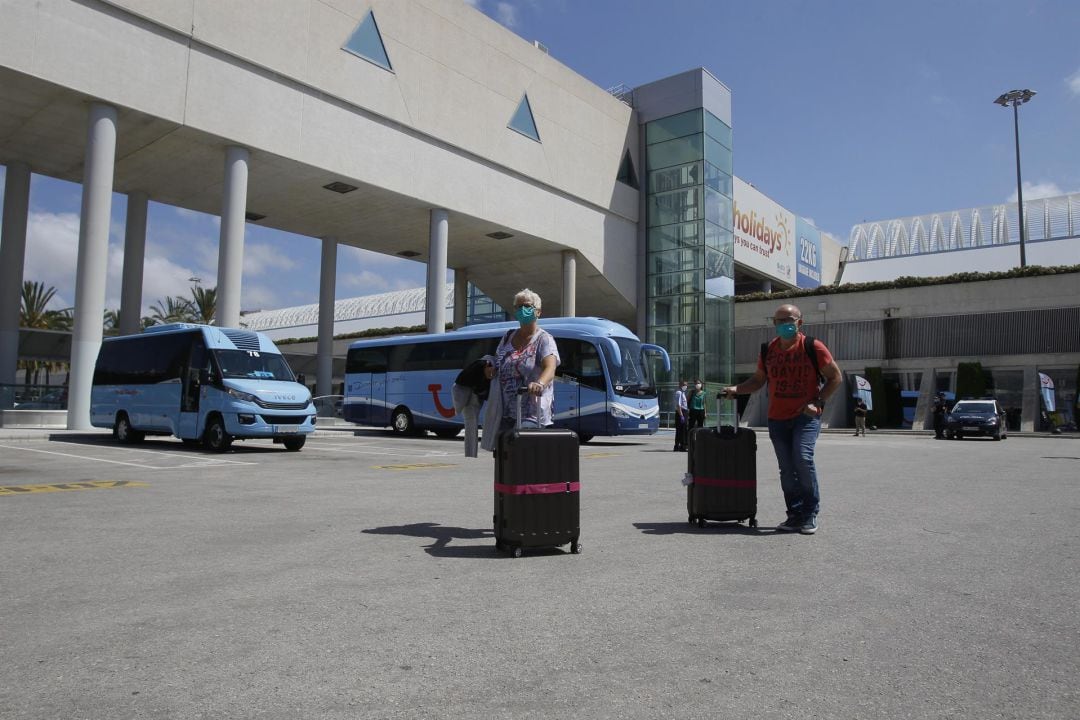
point(722, 464)
point(537, 489)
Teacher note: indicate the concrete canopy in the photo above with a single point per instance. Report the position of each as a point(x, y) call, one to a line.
point(176, 160)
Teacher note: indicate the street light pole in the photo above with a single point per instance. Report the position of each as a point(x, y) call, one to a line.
point(1016, 98)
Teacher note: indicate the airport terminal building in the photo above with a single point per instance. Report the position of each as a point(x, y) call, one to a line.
point(416, 128)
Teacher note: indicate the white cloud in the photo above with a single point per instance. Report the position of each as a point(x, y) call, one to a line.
point(367, 282)
point(1035, 191)
point(506, 14)
point(52, 251)
point(1073, 81)
point(258, 259)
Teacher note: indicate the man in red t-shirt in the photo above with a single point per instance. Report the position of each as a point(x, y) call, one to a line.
point(796, 401)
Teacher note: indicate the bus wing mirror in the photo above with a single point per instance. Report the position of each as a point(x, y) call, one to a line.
point(616, 354)
point(656, 349)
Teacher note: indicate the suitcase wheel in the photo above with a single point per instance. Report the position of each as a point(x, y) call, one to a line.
point(701, 522)
point(575, 547)
point(690, 520)
point(516, 552)
point(753, 522)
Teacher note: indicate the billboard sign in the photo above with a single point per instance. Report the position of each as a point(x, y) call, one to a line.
point(808, 254)
point(764, 234)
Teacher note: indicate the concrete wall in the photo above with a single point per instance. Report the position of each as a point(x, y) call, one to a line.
point(972, 299)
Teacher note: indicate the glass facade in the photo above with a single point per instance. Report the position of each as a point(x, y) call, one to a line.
point(482, 309)
point(690, 249)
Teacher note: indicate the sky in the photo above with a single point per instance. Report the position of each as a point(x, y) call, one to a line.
point(843, 111)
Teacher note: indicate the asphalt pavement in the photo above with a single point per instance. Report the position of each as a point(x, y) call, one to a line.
point(358, 579)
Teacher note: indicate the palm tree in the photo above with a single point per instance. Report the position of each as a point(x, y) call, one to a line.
point(172, 309)
point(34, 310)
point(204, 304)
point(34, 313)
point(111, 322)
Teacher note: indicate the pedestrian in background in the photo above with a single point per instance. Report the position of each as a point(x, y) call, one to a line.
point(682, 417)
point(697, 407)
point(796, 402)
point(860, 418)
point(939, 409)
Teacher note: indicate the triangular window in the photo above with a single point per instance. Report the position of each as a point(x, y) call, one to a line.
point(523, 120)
point(627, 175)
point(366, 42)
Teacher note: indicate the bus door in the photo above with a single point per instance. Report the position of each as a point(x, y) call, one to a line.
point(580, 387)
point(367, 389)
point(196, 369)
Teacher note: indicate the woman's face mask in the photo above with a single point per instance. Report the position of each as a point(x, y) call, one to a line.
point(525, 314)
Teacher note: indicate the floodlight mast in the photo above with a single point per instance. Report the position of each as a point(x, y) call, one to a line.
point(1016, 98)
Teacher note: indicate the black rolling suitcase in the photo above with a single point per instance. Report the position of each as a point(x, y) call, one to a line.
point(722, 466)
point(537, 488)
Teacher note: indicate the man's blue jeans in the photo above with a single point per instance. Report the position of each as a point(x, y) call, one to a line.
point(794, 440)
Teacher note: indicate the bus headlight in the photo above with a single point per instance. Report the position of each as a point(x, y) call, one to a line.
point(619, 413)
point(246, 397)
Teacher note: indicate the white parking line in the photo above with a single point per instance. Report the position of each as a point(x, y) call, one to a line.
point(372, 450)
point(208, 463)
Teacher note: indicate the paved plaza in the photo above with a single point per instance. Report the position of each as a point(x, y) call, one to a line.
point(358, 579)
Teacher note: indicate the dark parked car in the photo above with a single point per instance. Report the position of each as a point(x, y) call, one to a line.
point(976, 417)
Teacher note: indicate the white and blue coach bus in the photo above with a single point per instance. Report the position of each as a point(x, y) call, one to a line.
point(603, 385)
point(200, 383)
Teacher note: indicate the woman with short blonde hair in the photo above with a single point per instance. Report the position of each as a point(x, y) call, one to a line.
point(526, 357)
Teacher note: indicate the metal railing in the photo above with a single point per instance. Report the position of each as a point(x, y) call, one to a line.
point(33, 397)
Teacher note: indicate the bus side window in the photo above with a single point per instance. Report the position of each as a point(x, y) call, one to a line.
point(581, 362)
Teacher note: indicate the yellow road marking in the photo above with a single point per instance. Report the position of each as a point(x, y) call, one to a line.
point(413, 466)
point(62, 487)
point(599, 455)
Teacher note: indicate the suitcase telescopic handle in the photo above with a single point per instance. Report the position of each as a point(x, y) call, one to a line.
point(734, 409)
point(521, 393)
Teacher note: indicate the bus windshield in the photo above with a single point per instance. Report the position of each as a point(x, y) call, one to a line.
point(253, 364)
point(629, 375)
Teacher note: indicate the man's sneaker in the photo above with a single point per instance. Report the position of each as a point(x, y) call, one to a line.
point(809, 526)
point(792, 524)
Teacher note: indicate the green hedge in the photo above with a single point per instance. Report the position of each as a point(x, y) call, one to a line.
point(908, 281)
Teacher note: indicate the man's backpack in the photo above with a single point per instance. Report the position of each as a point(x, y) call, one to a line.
point(811, 353)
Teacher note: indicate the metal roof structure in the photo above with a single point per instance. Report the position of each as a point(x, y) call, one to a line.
point(1053, 218)
point(398, 302)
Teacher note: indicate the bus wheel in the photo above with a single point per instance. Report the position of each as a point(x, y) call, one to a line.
point(123, 431)
point(216, 438)
point(402, 422)
point(294, 444)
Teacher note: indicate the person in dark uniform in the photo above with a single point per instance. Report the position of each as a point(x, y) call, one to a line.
point(938, 410)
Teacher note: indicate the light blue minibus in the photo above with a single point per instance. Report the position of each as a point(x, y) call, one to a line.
point(201, 384)
point(603, 385)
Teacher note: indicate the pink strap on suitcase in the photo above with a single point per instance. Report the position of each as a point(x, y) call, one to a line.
point(538, 488)
point(725, 482)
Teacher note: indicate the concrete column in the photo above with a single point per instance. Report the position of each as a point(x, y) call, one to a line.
point(231, 242)
point(134, 253)
point(327, 289)
point(569, 283)
point(436, 271)
point(461, 298)
point(1030, 401)
point(766, 286)
point(927, 391)
point(95, 217)
point(12, 258)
